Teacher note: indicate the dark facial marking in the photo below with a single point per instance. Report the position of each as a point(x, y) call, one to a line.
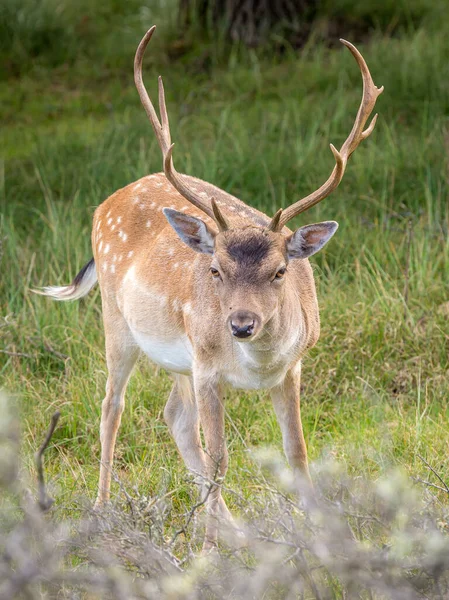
point(249, 251)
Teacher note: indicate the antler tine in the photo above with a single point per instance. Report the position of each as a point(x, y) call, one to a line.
point(223, 224)
point(145, 99)
point(162, 131)
point(274, 225)
point(369, 97)
point(165, 126)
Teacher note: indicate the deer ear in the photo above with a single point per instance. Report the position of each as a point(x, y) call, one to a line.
point(309, 239)
point(192, 231)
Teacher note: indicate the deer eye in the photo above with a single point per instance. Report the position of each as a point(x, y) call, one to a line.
point(215, 274)
point(280, 274)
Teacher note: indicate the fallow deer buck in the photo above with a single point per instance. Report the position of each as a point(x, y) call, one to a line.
point(212, 290)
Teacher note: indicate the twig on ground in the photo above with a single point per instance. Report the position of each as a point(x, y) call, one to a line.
point(446, 487)
point(16, 354)
point(45, 501)
point(51, 350)
point(429, 483)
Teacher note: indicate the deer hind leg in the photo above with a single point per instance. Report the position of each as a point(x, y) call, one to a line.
point(121, 356)
point(182, 417)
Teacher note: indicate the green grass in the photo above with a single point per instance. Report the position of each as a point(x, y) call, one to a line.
point(375, 388)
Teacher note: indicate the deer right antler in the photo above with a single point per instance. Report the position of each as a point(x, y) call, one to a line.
point(370, 94)
point(162, 131)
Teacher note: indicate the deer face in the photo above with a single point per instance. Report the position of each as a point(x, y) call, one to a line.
point(249, 266)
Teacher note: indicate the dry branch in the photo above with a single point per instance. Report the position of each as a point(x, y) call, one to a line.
point(45, 501)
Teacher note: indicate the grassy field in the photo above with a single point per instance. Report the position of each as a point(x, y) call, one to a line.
point(375, 387)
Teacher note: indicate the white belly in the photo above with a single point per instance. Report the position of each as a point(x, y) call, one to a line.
point(173, 354)
point(163, 344)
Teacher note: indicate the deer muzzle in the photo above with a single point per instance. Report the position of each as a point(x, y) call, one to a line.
point(243, 324)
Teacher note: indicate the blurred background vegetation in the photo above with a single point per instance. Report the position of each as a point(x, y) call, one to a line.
point(50, 33)
point(255, 93)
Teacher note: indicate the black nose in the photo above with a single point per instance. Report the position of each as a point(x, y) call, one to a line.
point(242, 332)
point(242, 323)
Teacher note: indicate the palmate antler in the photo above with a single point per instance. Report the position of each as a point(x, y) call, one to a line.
point(162, 131)
point(370, 94)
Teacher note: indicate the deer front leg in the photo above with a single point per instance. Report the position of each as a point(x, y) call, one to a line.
point(286, 404)
point(211, 413)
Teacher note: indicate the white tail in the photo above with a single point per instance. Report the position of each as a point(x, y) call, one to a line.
point(80, 286)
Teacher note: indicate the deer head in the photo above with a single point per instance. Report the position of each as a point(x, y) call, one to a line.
point(249, 265)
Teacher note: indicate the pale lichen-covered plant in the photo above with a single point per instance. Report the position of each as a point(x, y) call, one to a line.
point(357, 539)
